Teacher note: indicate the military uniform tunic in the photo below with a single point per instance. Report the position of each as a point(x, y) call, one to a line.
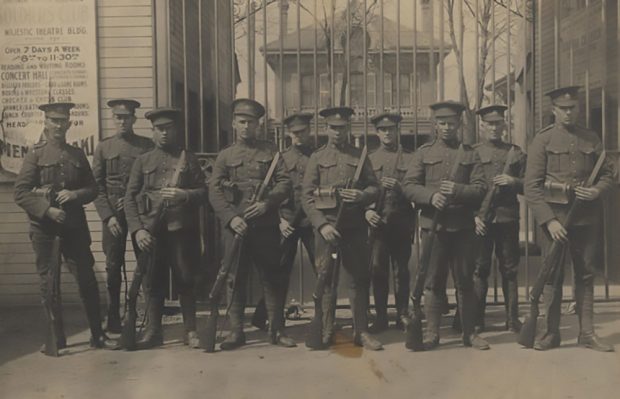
point(61, 166)
point(237, 173)
point(112, 163)
point(392, 241)
point(452, 247)
point(331, 166)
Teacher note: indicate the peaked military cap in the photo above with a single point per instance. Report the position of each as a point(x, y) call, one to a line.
point(57, 110)
point(337, 116)
point(386, 119)
point(566, 96)
point(163, 116)
point(298, 122)
point(123, 106)
point(246, 106)
point(493, 112)
point(447, 108)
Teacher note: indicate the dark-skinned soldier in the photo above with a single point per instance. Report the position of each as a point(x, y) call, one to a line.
point(499, 230)
point(393, 225)
point(295, 160)
point(237, 173)
point(55, 164)
point(112, 163)
point(175, 241)
point(330, 167)
point(563, 155)
point(427, 184)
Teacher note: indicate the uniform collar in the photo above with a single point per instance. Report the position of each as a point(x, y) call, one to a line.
point(303, 149)
point(454, 144)
point(392, 149)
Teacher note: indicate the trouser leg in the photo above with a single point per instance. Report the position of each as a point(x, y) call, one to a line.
point(114, 250)
point(379, 266)
point(401, 253)
point(481, 275)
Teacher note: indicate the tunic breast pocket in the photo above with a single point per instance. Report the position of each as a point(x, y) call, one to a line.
point(234, 170)
point(433, 169)
point(327, 171)
point(48, 172)
point(558, 158)
point(112, 165)
point(400, 173)
point(125, 164)
point(260, 171)
point(74, 169)
point(586, 159)
point(487, 166)
point(378, 171)
point(149, 178)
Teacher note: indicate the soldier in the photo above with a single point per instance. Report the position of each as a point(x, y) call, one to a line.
point(497, 223)
point(237, 172)
point(330, 167)
point(112, 163)
point(565, 154)
point(63, 169)
point(426, 183)
point(294, 225)
point(392, 226)
point(162, 218)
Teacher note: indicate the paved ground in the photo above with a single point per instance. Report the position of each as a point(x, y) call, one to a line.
point(262, 371)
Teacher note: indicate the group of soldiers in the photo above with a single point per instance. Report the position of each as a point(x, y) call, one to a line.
point(152, 190)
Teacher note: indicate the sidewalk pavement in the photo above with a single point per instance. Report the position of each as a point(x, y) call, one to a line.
point(260, 370)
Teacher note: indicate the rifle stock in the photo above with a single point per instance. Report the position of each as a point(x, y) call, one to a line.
point(489, 200)
point(553, 261)
point(53, 286)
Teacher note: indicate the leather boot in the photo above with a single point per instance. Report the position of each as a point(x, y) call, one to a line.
point(59, 325)
point(367, 341)
point(585, 310)
point(380, 290)
point(259, 318)
point(153, 335)
point(432, 309)
point(234, 340)
point(550, 328)
point(329, 317)
point(275, 296)
point(90, 298)
point(188, 309)
point(114, 317)
point(481, 288)
point(467, 309)
point(511, 299)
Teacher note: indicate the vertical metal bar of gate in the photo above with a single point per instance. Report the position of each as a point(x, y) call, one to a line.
point(508, 78)
point(201, 83)
point(250, 43)
point(381, 66)
point(280, 135)
point(315, 91)
point(442, 67)
point(414, 78)
point(398, 63)
point(185, 80)
point(365, 71)
point(587, 72)
point(431, 53)
point(265, 86)
point(233, 57)
point(462, 51)
point(477, 81)
point(493, 75)
point(348, 55)
point(539, 57)
point(528, 107)
point(217, 72)
point(332, 41)
point(604, 139)
point(299, 79)
point(556, 44)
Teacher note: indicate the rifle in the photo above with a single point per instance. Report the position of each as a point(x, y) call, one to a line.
point(413, 326)
point(230, 265)
point(50, 303)
point(326, 264)
point(373, 243)
point(552, 262)
point(145, 264)
point(486, 210)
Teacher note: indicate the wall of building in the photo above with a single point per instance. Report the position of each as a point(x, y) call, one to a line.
point(125, 42)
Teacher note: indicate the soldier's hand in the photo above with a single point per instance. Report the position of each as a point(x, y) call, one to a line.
point(351, 195)
point(330, 234)
point(557, 231)
point(390, 183)
point(120, 204)
point(174, 195)
point(481, 227)
point(115, 227)
point(56, 214)
point(439, 200)
point(238, 225)
point(64, 196)
point(285, 228)
point(504, 180)
point(447, 187)
point(587, 193)
point(373, 218)
point(255, 210)
point(145, 240)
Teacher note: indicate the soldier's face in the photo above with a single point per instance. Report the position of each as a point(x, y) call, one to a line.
point(387, 135)
point(493, 129)
point(165, 135)
point(245, 126)
point(56, 128)
point(447, 127)
point(124, 123)
point(300, 137)
point(337, 134)
point(566, 115)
